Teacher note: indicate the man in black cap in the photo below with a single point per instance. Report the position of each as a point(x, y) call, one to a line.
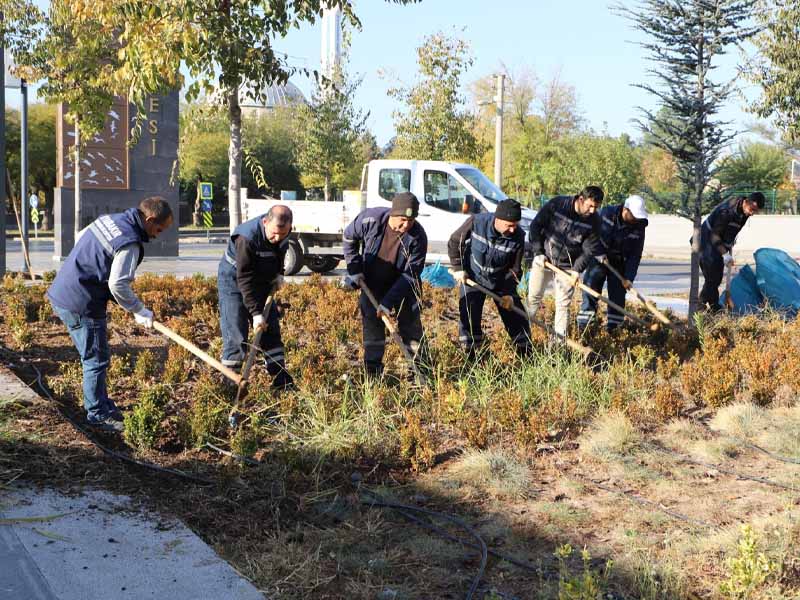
point(385, 249)
point(717, 237)
point(488, 249)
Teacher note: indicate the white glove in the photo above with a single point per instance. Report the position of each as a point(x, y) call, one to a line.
point(601, 259)
point(727, 259)
point(459, 276)
point(144, 318)
point(258, 322)
point(354, 281)
point(575, 276)
point(539, 260)
point(383, 311)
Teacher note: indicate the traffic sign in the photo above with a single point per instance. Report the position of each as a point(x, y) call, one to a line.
point(34, 216)
point(206, 205)
point(206, 190)
point(207, 220)
point(34, 201)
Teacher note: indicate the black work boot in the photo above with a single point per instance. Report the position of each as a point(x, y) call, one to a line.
point(283, 382)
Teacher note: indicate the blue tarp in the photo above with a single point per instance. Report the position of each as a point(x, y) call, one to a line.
point(778, 276)
point(438, 276)
point(746, 296)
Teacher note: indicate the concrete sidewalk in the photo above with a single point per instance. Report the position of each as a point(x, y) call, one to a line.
point(97, 545)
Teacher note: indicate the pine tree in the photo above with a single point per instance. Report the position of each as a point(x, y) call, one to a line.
point(686, 38)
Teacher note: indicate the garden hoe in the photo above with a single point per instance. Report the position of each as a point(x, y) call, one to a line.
point(599, 296)
point(241, 391)
point(390, 325)
point(585, 350)
point(728, 300)
point(629, 286)
point(212, 362)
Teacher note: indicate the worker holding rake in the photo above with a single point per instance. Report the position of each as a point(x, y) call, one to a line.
point(101, 267)
point(717, 237)
point(488, 249)
point(565, 234)
point(622, 232)
point(250, 269)
point(385, 249)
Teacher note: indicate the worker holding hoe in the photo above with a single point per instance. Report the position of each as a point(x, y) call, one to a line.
point(488, 250)
point(101, 267)
point(566, 234)
point(385, 249)
point(717, 237)
point(622, 231)
point(250, 270)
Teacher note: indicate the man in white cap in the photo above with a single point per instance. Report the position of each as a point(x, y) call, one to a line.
point(622, 230)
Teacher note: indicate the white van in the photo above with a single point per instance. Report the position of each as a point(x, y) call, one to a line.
point(448, 194)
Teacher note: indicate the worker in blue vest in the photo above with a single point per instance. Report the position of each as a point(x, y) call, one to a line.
point(488, 249)
point(249, 270)
point(101, 267)
point(385, 249)
point(622, 231)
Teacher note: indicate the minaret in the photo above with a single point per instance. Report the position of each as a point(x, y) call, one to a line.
point(331, 40)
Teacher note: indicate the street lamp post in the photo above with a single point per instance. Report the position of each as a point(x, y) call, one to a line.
point(498, 132)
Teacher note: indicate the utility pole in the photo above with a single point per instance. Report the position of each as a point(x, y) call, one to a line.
point(2, 154)
point(498, 135)
point(23, 162)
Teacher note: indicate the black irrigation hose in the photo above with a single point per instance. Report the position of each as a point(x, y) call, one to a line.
point(108, 451)
point(747, 444)
point(646, 502)
point(736, 474)
point(378, 501)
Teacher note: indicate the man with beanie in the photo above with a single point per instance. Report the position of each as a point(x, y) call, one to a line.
point(565, 233)
point(717, 237)
point(488, 249)
point(250, 270)
point(385, 249)
point(622, 230)
point(101, 267)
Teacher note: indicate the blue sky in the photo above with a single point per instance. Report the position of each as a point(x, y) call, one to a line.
point(590, 45)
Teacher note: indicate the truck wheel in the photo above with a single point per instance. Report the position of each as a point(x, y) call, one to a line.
point(320, 263)
point(294, 258)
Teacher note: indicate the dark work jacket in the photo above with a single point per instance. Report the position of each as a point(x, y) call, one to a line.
point(81, 285)
point(567, 239)
point(257, 262)
point(488, 257)
point(723, 224)
point(362, 242)
point(624, 243)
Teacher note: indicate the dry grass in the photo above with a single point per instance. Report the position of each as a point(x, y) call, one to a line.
point(611, 436)
point(495, 473)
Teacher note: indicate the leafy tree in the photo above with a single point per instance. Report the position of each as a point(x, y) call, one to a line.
point(271, 140)
point(330, 127)
point(435, 124)
point(756, 166)
point(659, 171)
point(611, 163)
point(685, 39)
point(366, 149)
point(777, 66)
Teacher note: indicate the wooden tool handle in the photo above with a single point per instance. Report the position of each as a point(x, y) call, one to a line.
point(649, 305)
point(206, 358)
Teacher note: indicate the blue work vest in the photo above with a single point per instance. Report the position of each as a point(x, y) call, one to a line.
point(81, 285)
point(491, 254)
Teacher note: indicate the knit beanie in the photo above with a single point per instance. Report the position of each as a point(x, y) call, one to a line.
point(404, 205)
point(508, 210)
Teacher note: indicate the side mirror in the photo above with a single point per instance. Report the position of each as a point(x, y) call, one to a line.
point(468, 206)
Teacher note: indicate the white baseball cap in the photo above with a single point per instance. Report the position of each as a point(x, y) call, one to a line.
point(636, 205)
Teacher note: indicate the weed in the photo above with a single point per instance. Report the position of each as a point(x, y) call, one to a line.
point(494, 471)
point(749, 569)
point(611, 436)
point(589, 584)
point(244, 441)
point(741, 420)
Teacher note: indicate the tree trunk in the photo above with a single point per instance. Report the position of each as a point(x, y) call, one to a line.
point(197, 215)
point(235, 159)
point(77, 175)
point(699, 178)
point(327, 187)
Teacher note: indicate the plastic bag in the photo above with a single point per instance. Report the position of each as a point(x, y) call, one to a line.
point(438, 276)
point(778, 276)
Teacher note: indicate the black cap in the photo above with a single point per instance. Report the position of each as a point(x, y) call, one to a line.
point(405, 204)
point(508, 210)
point(758, 198)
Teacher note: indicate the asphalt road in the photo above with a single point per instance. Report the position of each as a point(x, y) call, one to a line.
point(663, 277)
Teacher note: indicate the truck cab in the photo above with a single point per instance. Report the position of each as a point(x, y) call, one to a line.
point(448, 193)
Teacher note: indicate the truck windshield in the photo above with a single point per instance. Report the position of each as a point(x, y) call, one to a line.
point(483, 185)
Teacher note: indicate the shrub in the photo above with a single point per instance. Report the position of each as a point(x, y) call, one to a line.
point(146, 366)
point(244, 441)
point(586, 585)
point(415, 442)
point(143, 423)
point(711, 377)
point(749, 569)
point(209, 412)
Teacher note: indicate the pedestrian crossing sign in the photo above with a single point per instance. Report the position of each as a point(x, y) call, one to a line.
point(206, 190)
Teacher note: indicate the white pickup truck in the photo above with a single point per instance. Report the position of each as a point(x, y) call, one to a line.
point(448, 194)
